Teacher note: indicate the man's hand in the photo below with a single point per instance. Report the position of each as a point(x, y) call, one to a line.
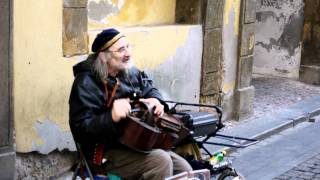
point(120, 109)
point(154, 103)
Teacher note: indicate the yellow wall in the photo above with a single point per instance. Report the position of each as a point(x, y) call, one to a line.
point(152, 46)
point(134, 12)
point(41, 77)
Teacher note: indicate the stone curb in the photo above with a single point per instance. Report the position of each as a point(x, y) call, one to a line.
point(272, 131)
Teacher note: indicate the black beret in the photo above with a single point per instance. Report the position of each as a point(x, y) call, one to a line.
point(105, 39)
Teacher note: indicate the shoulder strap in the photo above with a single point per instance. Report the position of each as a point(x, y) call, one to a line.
point(114, 90)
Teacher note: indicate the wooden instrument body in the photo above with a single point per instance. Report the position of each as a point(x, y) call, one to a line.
point(143, 131)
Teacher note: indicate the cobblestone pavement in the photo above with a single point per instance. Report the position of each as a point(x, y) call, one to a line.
point(309, 170)
point(274, 93)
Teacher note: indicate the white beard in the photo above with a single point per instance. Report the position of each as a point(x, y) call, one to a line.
point(130, 63)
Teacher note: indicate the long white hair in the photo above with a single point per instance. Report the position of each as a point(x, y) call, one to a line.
point(99, 67)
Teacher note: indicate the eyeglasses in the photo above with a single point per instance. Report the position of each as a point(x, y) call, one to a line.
point(122, 49)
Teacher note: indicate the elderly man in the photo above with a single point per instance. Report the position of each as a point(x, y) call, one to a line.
point(99, 101)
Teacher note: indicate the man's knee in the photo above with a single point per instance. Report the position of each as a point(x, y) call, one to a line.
point(158, 165)
point(161, 158)
point(179, 163)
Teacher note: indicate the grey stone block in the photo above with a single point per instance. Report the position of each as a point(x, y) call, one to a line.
point(292, 173)
point(247, 39)
point(209, 99)
point(244, 101)
point(307, 175)
point(210, 84)
point(304, 168)
point(7, 161)
point(212, 50)
point(75, 31)
point(228, 106)
point(246, 71)
point(315, 170)
point(250, 11)
point(282, 177)
point(75, 3)
point(310, 74)
point(214, 14)
point(189, 12)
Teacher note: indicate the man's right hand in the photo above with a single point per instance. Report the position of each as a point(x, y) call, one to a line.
point(120, 109)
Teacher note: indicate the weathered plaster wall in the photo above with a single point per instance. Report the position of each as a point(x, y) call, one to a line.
point(178, 76)
point(278, 37)
point(102, 13)
point(38, 166)
point(230, 53)
point(42, 78)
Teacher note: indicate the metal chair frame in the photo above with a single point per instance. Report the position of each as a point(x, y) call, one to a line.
point(220, 125)
point(82, 162)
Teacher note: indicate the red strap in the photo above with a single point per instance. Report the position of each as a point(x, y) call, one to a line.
point(99, 149)
point(113, 93)
point(98, 154)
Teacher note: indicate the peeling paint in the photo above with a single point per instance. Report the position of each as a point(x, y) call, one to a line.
point(178, 77)
point(42, 77)
point(98, 10)
point(282, 63)
point(278, 37)
point(283, 8)
point(289, 34)
point(51, 137)
point(126, 13)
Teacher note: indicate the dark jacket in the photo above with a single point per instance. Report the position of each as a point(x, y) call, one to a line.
point(89, 118)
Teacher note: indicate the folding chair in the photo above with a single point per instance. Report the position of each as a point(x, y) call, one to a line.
point(81, 164)
point(204, 125)
point(84, 171)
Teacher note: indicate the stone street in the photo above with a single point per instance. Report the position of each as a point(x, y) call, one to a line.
point(309, 169)
point(291, 154)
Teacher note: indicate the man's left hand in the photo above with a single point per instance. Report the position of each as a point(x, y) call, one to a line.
point(154, 103)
